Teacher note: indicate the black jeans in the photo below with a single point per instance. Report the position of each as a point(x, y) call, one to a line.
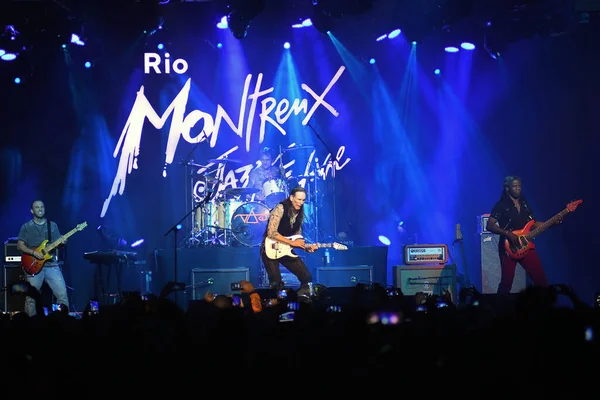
point(294, 264)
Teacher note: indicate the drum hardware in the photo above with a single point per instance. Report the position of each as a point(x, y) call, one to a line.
point(240, 191)
point(224, 160)
point(299, 147)
point(191, 164)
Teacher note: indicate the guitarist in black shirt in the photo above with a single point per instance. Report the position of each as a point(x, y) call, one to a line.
point(285, 220)
point(512, 212)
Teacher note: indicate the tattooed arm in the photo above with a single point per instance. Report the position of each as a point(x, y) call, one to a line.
point(274, 220)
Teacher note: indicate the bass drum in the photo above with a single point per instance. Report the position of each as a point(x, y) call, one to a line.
point(249, 223)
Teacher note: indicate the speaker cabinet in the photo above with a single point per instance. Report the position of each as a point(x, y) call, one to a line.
point(12, 273)
point(217, 280)
point(434, 279)
point(347, 276)
point(490, 266)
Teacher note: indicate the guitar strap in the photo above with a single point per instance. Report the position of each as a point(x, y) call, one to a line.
point(49, 223)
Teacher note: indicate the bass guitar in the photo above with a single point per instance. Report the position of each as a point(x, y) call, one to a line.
point(526, 235)
point(275, 249)
point(33, 266)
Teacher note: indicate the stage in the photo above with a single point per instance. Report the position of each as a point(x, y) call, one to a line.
point(225, 265)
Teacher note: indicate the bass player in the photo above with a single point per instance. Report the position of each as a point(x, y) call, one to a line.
point(510, 213)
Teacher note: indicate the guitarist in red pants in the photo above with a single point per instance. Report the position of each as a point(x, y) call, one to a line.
point(510, 213)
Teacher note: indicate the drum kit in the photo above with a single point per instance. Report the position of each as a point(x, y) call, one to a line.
point(236, 217)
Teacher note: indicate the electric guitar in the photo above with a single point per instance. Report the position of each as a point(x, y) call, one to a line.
point(33, 266)
point(275, 249)
point(526, 235)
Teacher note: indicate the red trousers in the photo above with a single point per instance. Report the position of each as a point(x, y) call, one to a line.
point(531, 264)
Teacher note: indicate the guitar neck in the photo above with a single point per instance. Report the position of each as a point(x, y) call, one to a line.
point(547, 224)
point(57, 242)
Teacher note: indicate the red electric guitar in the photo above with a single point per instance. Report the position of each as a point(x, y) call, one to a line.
point(32, 265)
point(526, 235)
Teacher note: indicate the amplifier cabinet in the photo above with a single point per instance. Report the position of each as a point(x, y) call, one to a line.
point(217, 280)
point(347, 276)
point(11, 253)
point(490, 266)
point(430, 279)
point(12, 273)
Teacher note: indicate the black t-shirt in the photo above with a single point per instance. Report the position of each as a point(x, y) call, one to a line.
point(505, 212)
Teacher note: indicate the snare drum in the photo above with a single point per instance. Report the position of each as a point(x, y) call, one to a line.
point(275, 191)
point(249, 223)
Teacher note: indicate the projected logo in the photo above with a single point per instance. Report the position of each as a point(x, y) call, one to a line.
point(272, 112)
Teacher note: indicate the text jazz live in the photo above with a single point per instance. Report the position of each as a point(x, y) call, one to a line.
point(272, 112)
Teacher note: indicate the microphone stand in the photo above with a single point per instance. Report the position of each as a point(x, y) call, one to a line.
point(333, 181)
point(175, 229)
point(186, 162)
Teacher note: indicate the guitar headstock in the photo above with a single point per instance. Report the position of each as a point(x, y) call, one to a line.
point(458, 233)
point(339, 246)
point(81, 226)
point(572, 206)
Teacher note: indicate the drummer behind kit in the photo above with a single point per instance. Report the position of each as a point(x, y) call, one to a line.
point(239, 216)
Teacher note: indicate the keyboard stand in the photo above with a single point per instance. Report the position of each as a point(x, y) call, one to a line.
point(105, 284)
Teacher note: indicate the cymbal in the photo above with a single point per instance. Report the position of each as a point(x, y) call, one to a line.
point(302, 147)
point(191, 164)
point(241, 191)
point(224, 160)
point(210, 179)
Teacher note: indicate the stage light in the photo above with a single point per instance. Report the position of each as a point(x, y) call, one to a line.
point(64, 46)
point(17, 80)
point(394, 33)
point(160, 46)
point(87, 64)
point(380, 38)
point(467, 46)
point(8, 57)
point(137, 243)
point(286, 45)
point(305, 23)
point(2, 52)
point(414, 43)
point(109, 239)
point(219, 45)
point(372, 61)
point(384, 240)
point(222, 24)
point(437, 71)
point(451, 49)
point(76, 40)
